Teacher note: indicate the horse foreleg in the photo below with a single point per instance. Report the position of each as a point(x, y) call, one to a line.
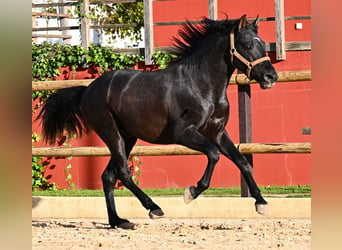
point(227, 147)
point(193, 139)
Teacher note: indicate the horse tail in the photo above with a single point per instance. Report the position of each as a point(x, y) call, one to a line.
point(62, 112)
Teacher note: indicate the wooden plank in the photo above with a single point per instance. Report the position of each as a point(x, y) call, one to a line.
point(114, 25)
point(286, 18)
point(47, 5)
point(290, 46)
point(108, 26)
point(212, 9)
point(56, 28)
point(297, 17)
point(34, 25)
point(50, 14)
point(114, 1)
point(54, 85)
point(44, 5)
point(64, 22)
point(285, 76)
point(164, 150)
point(261, 19)
point(35, 35)
point(148, 29)
point(85, 32)
point(298, 46)
point(176, 23)
point(280, 30)
point(270, 47)
point(131, 51)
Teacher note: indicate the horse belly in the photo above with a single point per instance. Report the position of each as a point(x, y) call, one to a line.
point(140, 103)
point(146, 123)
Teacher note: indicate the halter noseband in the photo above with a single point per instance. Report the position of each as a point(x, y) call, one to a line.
point(250, 65)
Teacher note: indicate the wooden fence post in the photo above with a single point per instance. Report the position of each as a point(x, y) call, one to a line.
point(212, 9)
point(34, 25)
point(148, 28)
point(85, 31)
point(245, 128)
point(280, 30)
point(64, 22)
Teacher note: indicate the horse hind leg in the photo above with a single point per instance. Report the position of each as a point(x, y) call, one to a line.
point(104, 125)
point(120, 148)
point(109, 178)
point(125, 176)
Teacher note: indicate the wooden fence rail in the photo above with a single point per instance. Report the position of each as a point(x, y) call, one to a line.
point(285, 76)
point(245, 148)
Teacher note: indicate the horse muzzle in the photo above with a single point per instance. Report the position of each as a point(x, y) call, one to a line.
point(269, 80)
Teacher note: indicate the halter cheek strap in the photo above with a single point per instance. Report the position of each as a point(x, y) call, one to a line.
point(234, 52)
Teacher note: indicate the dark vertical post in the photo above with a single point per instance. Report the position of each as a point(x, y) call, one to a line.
point(245, 127)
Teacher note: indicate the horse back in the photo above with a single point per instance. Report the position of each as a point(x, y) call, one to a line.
point(152, 106)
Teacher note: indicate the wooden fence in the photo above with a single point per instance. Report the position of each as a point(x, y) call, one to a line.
point(246, 147)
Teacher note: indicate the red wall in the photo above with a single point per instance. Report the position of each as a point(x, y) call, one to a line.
point(278, 114)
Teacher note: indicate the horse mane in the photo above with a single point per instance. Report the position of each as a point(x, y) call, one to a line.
point(191, 34)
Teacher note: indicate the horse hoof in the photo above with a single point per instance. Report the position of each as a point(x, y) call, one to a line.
point(127, 225)
point(156, 214)
point(261, 209)
point(187, 196)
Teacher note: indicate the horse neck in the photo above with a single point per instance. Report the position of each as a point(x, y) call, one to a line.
point(215, 65)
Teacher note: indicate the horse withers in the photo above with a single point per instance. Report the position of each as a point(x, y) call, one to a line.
point(185, 103)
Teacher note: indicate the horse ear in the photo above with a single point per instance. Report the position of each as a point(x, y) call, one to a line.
point(256, 21)
point(243, 22)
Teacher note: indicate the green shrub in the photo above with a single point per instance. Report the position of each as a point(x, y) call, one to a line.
point(39, 182)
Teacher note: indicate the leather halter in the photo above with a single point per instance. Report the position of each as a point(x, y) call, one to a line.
point(250, 65)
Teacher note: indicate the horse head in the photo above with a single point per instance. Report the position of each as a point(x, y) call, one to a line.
point(247, 53)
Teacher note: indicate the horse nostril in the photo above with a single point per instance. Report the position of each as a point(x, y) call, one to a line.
point(270, 77)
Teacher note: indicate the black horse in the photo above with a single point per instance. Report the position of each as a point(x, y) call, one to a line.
point(186, 104)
